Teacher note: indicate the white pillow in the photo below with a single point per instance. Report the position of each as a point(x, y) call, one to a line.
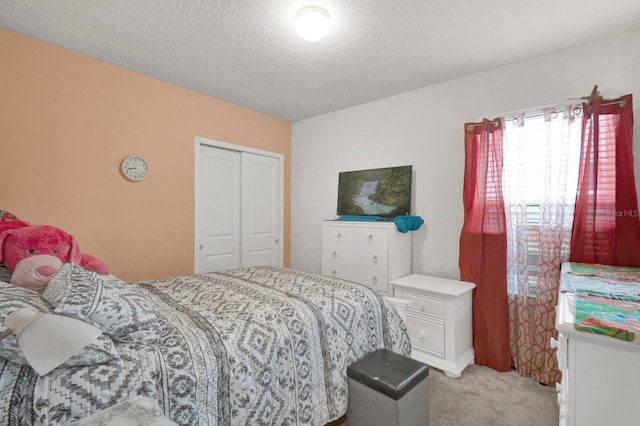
point(117, 308)
point(12, 297)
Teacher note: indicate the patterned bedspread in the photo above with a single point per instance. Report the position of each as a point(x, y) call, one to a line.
point(255, 346)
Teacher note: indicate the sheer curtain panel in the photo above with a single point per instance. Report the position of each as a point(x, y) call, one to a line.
point(540, 179)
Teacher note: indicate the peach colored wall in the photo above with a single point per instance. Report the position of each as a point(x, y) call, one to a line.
point(66, 123)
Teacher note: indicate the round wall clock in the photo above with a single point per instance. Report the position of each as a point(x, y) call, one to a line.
point(134, 168)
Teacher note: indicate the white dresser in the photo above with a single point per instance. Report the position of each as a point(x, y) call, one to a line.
point(369, 253)
point(439, 320)
point(600, 375)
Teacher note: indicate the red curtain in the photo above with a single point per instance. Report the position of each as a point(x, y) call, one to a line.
point(606, 226)
point(483, 243)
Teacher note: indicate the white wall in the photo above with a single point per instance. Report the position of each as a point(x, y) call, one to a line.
point(424, 128)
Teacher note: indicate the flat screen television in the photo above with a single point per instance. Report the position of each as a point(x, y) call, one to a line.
point(384, 192)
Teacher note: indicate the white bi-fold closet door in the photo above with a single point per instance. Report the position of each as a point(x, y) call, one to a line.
point(238, 207)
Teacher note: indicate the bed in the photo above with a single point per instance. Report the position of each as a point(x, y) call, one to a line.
point(260, 345)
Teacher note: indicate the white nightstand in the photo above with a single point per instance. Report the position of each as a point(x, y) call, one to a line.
point(439, 320)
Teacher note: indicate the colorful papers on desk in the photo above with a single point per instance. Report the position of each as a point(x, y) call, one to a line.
point(619, 274)
point(607, 300)
point(615, 316)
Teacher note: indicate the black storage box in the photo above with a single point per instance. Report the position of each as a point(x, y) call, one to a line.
point(388, 389)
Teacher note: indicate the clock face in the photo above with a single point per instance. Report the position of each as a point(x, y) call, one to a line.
point(135, 168)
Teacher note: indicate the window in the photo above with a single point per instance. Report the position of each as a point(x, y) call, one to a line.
point(541, 165)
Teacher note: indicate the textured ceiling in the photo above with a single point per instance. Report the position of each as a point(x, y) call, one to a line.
point(246, 52)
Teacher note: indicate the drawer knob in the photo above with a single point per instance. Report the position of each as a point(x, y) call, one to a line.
point(334, 255)
point(422, 308)
point(375, 260)
point(334, 274)
point(370, 239)
point(420, 336)
point(374, 281)
point(338, 237)
point(553, 343)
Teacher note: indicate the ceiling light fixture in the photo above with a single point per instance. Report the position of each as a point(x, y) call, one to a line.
point(312, 23)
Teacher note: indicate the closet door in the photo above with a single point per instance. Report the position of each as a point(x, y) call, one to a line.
point(219, 215)
point(238, 208)
point(260, 210)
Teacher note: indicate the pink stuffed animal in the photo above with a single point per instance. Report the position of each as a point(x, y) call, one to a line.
point(34, 253)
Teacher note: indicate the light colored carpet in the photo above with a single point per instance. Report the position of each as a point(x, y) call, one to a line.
point(484, 397)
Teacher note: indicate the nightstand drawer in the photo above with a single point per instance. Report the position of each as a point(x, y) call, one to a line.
point(423, 303)
point(426, 334)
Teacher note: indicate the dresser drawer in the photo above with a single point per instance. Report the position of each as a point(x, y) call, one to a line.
point(561, 351)
point(423, 303)
point(373, 259)
point(336, 236)
point(369, 253)
point(426, 334)
point(371, 238)
point(374, 279)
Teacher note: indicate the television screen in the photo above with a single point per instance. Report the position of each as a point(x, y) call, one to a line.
point(382, 192)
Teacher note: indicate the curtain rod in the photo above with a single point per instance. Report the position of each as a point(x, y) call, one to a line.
point(577, 107)
point(534, 111)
